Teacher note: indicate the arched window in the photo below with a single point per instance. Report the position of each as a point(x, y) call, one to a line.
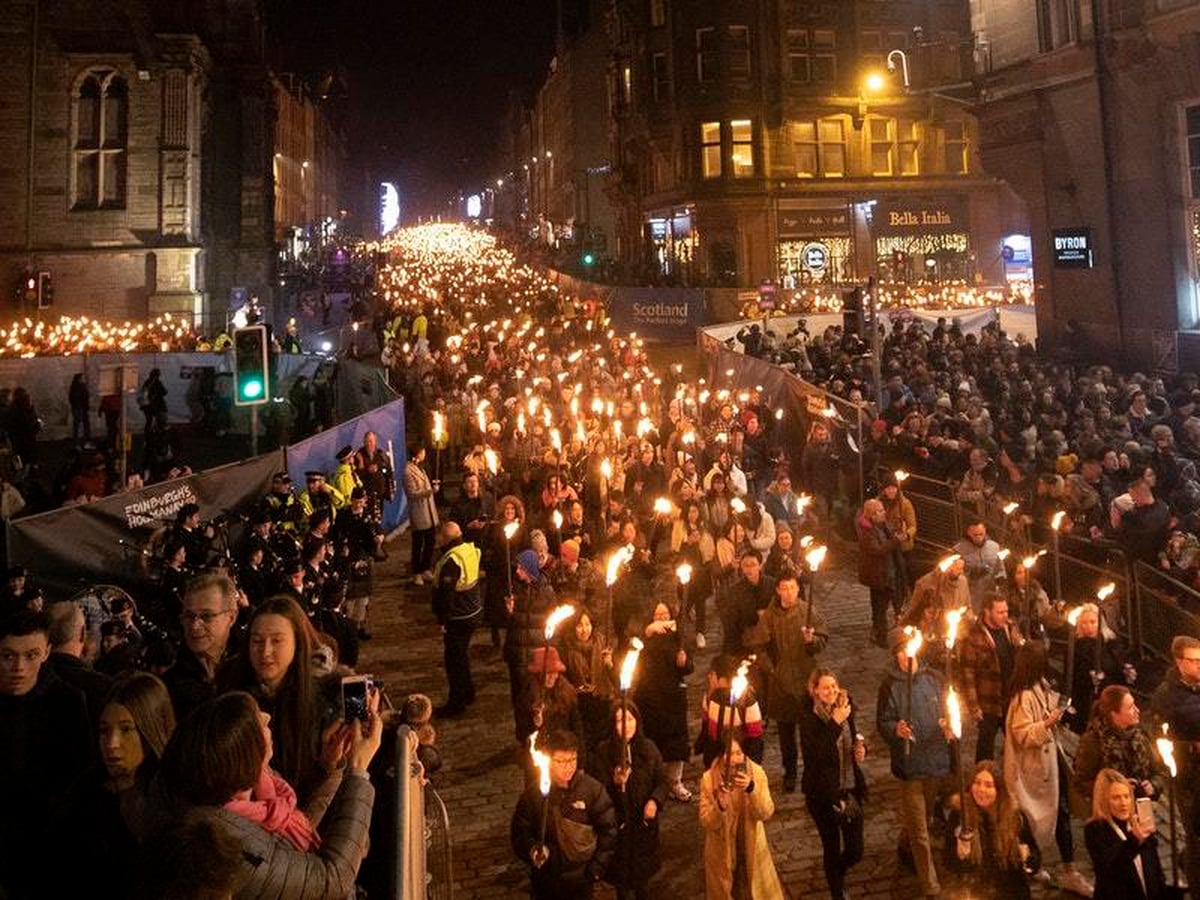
point(101, 129)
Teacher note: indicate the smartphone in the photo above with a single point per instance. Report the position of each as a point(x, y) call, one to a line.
point(355, 689)
point(1145, 811)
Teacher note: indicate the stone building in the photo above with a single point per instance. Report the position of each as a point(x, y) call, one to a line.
point(764, 140)
point(138, 171)
point(1101, 139)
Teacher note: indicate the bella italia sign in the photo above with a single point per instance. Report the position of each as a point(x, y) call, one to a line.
point(916, 215)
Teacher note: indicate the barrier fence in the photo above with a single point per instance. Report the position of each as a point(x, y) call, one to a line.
point(1148, 607)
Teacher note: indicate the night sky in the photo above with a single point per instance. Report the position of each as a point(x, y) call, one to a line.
point(427, 82)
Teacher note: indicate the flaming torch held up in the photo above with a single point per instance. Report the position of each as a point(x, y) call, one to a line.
point(737, 688)
point(813, 558)
point(1166, 751)
point(911, 648)
point(628, 667)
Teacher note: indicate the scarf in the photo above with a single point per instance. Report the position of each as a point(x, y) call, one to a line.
point(1127, 750)
point(845, 747)
point(272, 805)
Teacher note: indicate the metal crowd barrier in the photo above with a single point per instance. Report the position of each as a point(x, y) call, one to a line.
point(1150, 607)
point(439, 860)
point(409, 877)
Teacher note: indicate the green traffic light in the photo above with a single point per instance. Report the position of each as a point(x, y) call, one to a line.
point(252, 389)
point(588, 259)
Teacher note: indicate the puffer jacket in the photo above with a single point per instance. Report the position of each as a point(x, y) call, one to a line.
point(527, 622)
point(929, 753)
point(275, 870)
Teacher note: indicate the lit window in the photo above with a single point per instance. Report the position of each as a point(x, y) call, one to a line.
point(99, 146)
point(706, 54)
point(627, 85)
point(739, 51)
point(1193, 148)
point(658, 13)
point(741, 134)
point(880, 133)
point(710, 149)
point(832, 132)
point(804, 140)
point(956, 148)
point(908, 147)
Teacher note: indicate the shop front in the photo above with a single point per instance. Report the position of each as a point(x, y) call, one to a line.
point(674, 242)
point(922, 239)
point(815, 246)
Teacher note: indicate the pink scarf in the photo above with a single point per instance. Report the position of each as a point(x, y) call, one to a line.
point(272, 805)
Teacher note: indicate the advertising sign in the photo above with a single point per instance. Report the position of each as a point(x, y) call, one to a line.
point(659, 314)
point(815, 257)
point(921, 215)
point(802, 223)
point(1073, 248)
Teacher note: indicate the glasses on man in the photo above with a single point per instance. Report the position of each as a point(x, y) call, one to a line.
point(205, 616)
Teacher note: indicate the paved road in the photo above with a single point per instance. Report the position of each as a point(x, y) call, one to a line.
point(480, 782)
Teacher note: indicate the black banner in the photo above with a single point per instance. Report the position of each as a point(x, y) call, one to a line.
point(809, 223)
point(102, 541)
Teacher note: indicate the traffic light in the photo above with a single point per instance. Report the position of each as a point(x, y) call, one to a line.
point(45, 290)
point(588, 258)
point(251, 386)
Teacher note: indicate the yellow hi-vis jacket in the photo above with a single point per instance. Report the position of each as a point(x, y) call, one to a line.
point(466, 556)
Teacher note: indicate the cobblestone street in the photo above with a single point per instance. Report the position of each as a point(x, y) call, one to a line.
point(480, 781)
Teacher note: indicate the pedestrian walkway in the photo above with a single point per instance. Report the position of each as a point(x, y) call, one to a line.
point(480, 781)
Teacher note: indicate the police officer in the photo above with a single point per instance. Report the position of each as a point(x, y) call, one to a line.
point(345, 477)
point(318, 494)
point(281, 503)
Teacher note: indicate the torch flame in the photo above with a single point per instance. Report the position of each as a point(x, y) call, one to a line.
point(815, 557)
point(542, 762)
point(684, 573)
point(492, 460)
point(737, 505)
point(954, 618)
point(915, 641)
point(629, 664)
point(900, 475)
point(1003, 554)
point(945, 564)
point(1106, 591)
point(606, 469)
point(620, 556)
point(662, 507)
point(954, 713)
point(557, 616)
point(439, 425)
point(1073, 615)
point(510, 529)
point(1166, 750)
point(739, 683)
point(1056, 522)
point(1010, 508)
point(557, 518)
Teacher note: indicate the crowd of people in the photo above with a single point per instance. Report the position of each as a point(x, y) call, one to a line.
point(585, 513)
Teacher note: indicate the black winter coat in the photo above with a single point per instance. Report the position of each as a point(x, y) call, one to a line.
point(583, 802)
point(637, 855)
point(821, 781)
point(1112, 858)
point(662, 696)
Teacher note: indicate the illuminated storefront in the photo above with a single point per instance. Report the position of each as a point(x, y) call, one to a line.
point(816, 246)
point(922, 239)
point(674, 240)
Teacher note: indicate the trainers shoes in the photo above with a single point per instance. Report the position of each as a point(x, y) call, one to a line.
point(680, 793)
point(1075, 882)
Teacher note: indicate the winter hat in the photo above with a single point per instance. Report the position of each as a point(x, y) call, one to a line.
point(569, 551)
point(545, 659)
point(528, 560)
point(537, 541)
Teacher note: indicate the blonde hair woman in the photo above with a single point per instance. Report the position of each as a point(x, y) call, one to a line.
point(1123, 847)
